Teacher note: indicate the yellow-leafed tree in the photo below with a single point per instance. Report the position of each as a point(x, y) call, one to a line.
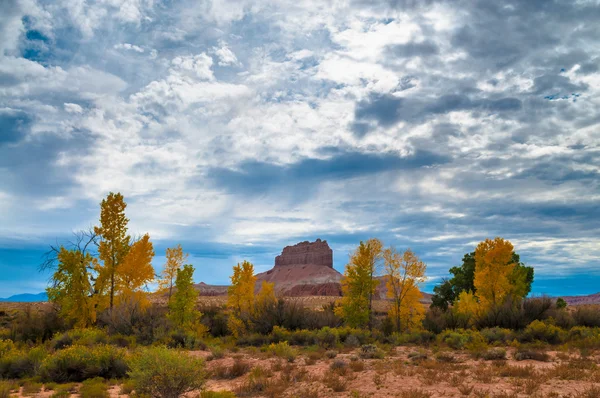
point(359, 284)
point(404, 273)
point(494, 268)
point(240, 298)
point(175, 260)
point(114, 243)
point(182, 309)
point(135, 272)
point(467, 306)
point(72, 289)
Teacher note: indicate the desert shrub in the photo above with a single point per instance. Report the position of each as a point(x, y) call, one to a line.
point(497, 335)
point(253, 340)
point(88, 337)
point(93, 388)
point(31, 388)
point(31, 325)
point(352, 341)
point(215, 320)
point(537, 308)
point(334, 381)
point(163, 373)
point(563, 319)
point(18, 364)
point(257, 383)
point(369, 351)
point(415, 393)
point(186, 339)
point(357, 366)
point(494, 354)
point(216, 352)
point(283, 350)
point(121, 340)
point(538, 330)
point(417, 356)
point(302, 337)
point(587, 316)
point(217, 394)
point(445, 356)
point(327, 337)
point(339, 366)
point(456, 339)
point(77, 363)
point(528, 354)
point(331, 354)
point(239, 368)
point(127, 387)
point(6, 387)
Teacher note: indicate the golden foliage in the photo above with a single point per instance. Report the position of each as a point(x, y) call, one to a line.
point(404, 273)
point(240, 297)
point(114, 245)
point(72, 289)
point(359, 284)
point(175, 260)
point(493, 269)
point(135, 272)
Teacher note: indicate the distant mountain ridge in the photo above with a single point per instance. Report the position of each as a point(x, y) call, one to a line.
point(25, 298)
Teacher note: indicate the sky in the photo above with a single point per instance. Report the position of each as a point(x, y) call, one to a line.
point(237, 128)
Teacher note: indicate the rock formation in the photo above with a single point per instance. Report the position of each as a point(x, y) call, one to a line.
point(305, 269)
point(305, 253)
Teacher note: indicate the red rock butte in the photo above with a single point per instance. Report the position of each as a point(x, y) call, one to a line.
point(304, 269)
point(305, 253)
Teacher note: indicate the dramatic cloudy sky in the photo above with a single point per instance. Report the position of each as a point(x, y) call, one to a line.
point(239, 127)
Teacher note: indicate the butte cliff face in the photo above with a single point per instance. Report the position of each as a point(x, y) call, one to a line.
point(304, 269)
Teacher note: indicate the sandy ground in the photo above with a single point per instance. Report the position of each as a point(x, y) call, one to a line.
point(398, 375)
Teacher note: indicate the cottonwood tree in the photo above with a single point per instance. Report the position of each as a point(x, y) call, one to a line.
point(463, 280)
point(73, 287)
point(135, 272)
point(240, 298)
point(175, 260)
point(403, 273)
point(114, 243)
point(494, 271)
point(182, 309)
point(359, 284)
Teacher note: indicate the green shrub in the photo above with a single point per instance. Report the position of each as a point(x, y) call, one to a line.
point(94, 388)
point(331, 354)
point(6, 387)
point(497, 335)
point(78, 363)
point(328, 337)
point(494, 354)
point(87, 337)
point(217, 394)
point(31, 388)
point(163, 373)
point(369, 351)
point(17, 364)
point(538, 330)
point(283, 350)
point(453, 339)
point(127, 387)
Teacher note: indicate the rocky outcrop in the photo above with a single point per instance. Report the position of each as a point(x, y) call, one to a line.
point(306, 253)
point(304, 269)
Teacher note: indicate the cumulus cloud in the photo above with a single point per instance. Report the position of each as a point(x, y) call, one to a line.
point(432, 124)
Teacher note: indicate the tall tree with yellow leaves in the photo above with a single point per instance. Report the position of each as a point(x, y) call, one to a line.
point(114, 243)
point(494, 268)
point(72, 289)
point(240, 298)
point(175, 260)
point(403, 274)
point(135, 272)
point(359, 284)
